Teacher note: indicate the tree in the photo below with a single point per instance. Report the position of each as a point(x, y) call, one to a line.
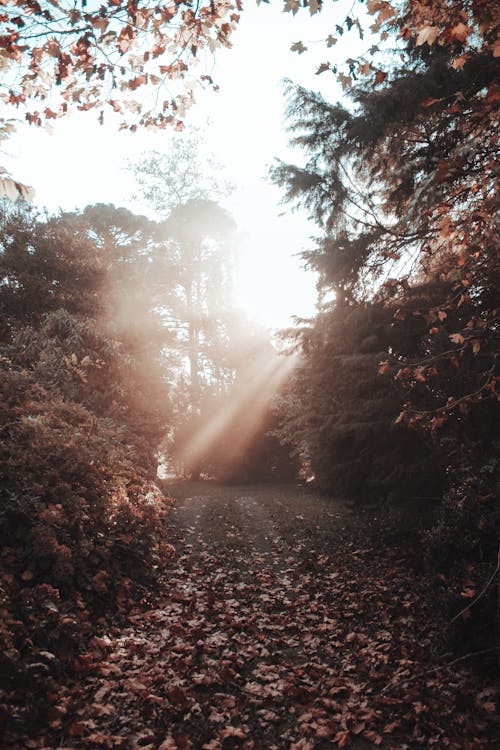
point(183, 173)
point(400, 178)
point(340, 414)
point(407, 175)
point(94, 266)
point(44, 267)
point(196, 243)
point(198, 251)
point(231, 437)
point(83, 407)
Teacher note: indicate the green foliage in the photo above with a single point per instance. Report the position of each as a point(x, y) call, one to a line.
point(83, 407)
point(44, 267)
point(340, 413)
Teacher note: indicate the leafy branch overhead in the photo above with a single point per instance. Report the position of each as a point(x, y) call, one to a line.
point(419, 23)
point(55, 56)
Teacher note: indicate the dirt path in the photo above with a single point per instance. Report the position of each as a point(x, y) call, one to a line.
point(276, 633)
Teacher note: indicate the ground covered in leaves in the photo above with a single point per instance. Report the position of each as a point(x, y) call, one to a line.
point(277, 631)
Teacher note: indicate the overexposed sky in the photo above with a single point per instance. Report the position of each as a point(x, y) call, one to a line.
point(81, 163)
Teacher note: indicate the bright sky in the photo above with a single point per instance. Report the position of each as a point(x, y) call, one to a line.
point(82, 163)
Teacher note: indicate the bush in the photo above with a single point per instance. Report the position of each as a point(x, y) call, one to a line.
point(83, 406)
point(81, 529)
point(461, 549)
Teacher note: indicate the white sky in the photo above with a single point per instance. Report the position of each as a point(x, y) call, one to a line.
point(82, 163)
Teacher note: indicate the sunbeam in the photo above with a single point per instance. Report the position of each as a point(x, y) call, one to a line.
point(240, 415)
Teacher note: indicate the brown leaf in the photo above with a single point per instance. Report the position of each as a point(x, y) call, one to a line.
point(427, 35)
point(372, 737)
point(460, 32)
point(231, 731)
point(343, 738)
point(459, 62)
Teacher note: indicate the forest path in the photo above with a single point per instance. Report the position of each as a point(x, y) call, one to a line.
point(277, 633)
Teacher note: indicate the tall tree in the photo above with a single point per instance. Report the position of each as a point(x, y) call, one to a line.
point(182, 173)
point(196, 247)
point(340, 415)
point(401, 177)
point(405, 179)
point(199, 251)
point(83, 406)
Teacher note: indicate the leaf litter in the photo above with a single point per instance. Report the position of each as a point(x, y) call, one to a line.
point(276, 631)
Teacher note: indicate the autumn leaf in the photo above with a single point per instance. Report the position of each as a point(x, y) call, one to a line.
point(322, 68)
point(468, 593)
point(53, 48)
point(168, 744)
point(438, 422)
point(456, 338)
point(427, 35)
point(141, 80)
point(298, 47)
point(126, 38)
point(345, 81)
point(231, 731)
point(343, 738)
point(460, 32)
point(459, 62)
point(419, 374)
point(291, 6)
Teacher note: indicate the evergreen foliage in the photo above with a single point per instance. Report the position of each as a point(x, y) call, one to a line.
point(340, 414)
point(402, 183)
